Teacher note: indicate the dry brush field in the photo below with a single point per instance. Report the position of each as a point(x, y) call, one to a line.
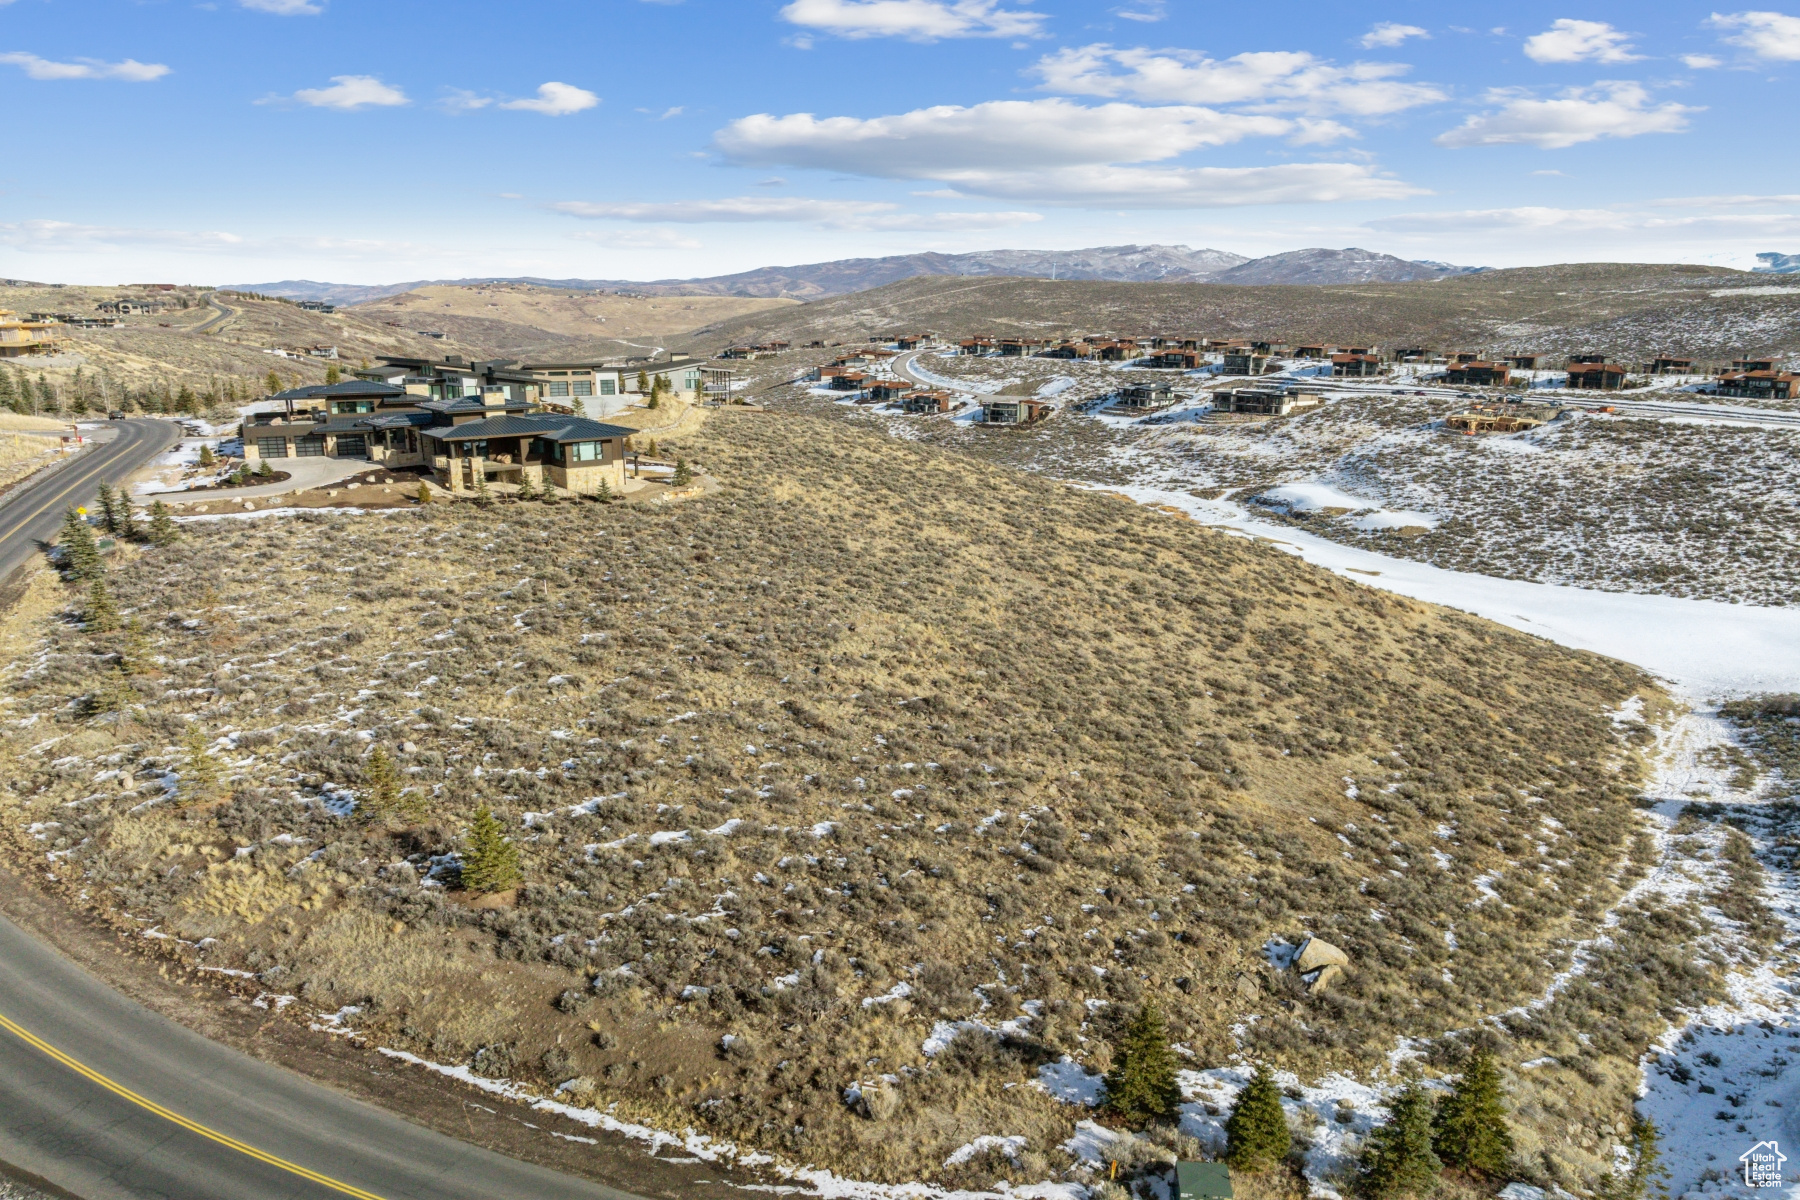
point(873, 720)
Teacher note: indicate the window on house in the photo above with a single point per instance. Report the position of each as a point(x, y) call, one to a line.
point(584, 387)
point(559, 387)
point(272, 447)
point(607, 388)
point(586, 451)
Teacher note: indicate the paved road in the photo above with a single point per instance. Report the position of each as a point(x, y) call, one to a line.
point(34, 513)
point(225, 314)
point(105, 1098)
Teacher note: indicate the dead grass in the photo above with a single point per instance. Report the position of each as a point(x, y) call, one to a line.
point(871, 714)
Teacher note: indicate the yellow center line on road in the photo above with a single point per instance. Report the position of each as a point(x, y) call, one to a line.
point(81, 477)
point(151, 1106)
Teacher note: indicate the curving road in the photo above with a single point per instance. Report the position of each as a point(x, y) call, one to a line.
point(32, 514)
point(110, 1101)
point(225, 314)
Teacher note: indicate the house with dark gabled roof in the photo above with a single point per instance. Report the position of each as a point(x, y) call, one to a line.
point(574, 454)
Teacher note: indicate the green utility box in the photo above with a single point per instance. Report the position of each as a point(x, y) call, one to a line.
point(1202, 1181)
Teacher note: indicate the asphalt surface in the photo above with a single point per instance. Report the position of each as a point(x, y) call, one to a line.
point(111, 1101)
point(33, 513)
point(225, 314)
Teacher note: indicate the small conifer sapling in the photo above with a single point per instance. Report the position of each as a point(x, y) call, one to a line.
point(1256, 1133)
point(491, 862)
point(1398, 1159)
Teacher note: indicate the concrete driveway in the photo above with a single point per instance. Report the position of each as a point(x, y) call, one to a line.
point(306, 472)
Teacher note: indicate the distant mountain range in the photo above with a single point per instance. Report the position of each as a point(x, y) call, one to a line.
point(1121, 264)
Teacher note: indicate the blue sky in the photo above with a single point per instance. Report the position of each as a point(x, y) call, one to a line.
point(370, 141)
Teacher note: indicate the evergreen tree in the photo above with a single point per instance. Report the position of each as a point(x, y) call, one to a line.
point(603, 493)
point(643, 382)
point(128, 521)
point(683, 476)
point(134, 655)
point(108, 504)
point(163, 530)
point(333, 375)
point(652, 450)
point(185, 400)
point(1398, 1159)
point(9, 395)
point(102, 617)
point(424, 492)
point(1470, 1132)
point(200, 778)
point(46, 395)
point(385, 799)
point(272, 383)
point(526, 491)
point(114, 695)
point(207, 457)
point(491, 863)
point(263, 469)
point(1256, 1133)
point(1645, 1178)
point(482, 495)
point(81, 557)
point(1141, 1086)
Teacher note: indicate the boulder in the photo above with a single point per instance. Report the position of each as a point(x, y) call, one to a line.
point(1318, 953)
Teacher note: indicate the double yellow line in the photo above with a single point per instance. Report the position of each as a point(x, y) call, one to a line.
point(120, 1090)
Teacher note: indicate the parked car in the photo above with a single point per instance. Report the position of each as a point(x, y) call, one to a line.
point(115, 416)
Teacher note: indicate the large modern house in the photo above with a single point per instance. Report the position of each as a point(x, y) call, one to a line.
point(488, 435)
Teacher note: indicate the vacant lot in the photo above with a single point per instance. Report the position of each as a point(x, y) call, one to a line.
point(875, 738)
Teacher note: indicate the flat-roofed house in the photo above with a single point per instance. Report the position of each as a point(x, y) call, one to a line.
point(1670, 366)
point(1069, 350)
point(885, 390)
point(20, 338)
point(975, 345)
point(1478, 374)
point(1242, 360)
point(1172, 360)
point(1013, 410)
point(1523, 362)
point(1142, 397)
point(1264, 401)
point(927, 402)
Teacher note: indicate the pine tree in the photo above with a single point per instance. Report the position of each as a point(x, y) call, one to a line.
point(1645, 1179)
point(643, 382)
point(80, 556)
point(1398, 1159)
point(9, 395)
point(114, 695)
point(482, 495)
point(1470, 1132)
point(200, 776)
point(163, 530)
point(424, 492)
point(1141, 1086)
point(491, 863)
point(48, 400)
point(272, 382)
point(134, 655)
point(102, 617)
point(207, 457)
point(128, 521)
point(385, 799)
point(652, 448)
point(333, 375)
point(263, 469)
point(185, 400)
point(603, 493)
point(683, 476)
point(1256, 1133)
point(108, 503)
point(526, 491)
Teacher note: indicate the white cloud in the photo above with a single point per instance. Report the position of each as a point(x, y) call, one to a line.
point(556, 100)
point(284, 8)
point(349, 92)
point(63, 235)
point(1388, 33)
point(460, 100)
point(130, 70)
point(1607, 110)
point(1702, 62)
point(1273, 80)
point(1147, 11)
point(1765, 34)
point(1057, 152)
point(827, 214)
point(638, 239)
point(1544, 221)
point(999, 135)
point(1568, 41)
point(920, 20)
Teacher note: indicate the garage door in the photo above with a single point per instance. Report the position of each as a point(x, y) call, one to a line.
point(310, 447)
point(272, 447)
point(352, 446)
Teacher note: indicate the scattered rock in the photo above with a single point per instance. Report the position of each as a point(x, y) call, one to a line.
point(1324, 977)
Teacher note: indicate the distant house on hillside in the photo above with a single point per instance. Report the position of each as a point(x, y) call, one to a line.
point(1355, 365)
point(1264, 402)
point(1478, 374)
point(886, 390)
point(927, 402)
point(1669, 366)
point(1014, 410)
point(1172, 360)
point(318, 306)
point(1242, 360)
point(1595, 376)
point(1523, 362)
point(1760, 385)
point(1143, 397)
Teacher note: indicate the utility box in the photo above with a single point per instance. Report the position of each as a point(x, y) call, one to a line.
point(1202, 1181)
